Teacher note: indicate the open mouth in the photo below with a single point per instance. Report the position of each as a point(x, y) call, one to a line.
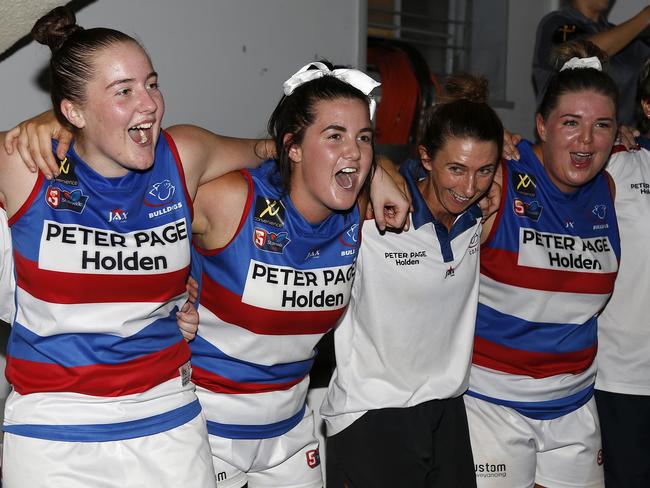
point(345, 178)
point(142, 133)
point(459, 198)
point(581, 159)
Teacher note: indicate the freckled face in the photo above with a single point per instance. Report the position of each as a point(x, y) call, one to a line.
point(120, 121)
point(331, 163)
point(577, 138)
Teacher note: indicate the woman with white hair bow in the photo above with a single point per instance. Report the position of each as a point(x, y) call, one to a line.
point(276, 249)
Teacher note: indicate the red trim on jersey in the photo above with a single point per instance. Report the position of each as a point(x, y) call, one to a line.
point(534, 364)
point(106, 380)
point(502, 204)
point(181, 170)
point(228, 307)
point(30, 199)
point(621, 148)
point(502, 266)
point(219, 384)
point(72, 288)
point(242, 220)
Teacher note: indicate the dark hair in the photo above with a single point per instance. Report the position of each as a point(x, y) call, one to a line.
point(575, 80)
point(643, 93)
point(296, 112)
point(463, 114)
point(73, 50)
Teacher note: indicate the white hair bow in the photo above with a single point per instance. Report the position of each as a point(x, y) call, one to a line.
point(580, 63)
point(354, 77)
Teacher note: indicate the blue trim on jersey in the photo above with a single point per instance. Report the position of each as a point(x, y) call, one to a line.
point(212, 359)
point(77, 349)
point(413, 171)
point(546, 410)
point(236, 431)
point(523, 335)
point(644, 142)
point(109, 432)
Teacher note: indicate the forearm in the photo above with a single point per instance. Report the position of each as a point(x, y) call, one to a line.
point(615, 39)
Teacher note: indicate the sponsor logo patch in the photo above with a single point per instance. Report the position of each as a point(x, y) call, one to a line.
point(524, 184)
point(160, 194)
point(599, 213)
point(599, 457)
point(117, 215)
point(271, 212)
point(530, 210)
point(270, 241)
point(60, 199)
point(313, 458)
point(643, 188)
point(546, 250)
point(67, 174)
point(491, 470)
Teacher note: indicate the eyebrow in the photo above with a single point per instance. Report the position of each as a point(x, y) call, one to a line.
point(343, 129)
point(153, 74)
point(576, 116)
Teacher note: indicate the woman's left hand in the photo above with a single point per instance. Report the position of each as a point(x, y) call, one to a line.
point(188, 321)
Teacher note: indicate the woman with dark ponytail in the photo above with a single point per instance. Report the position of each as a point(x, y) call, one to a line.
point(394, 410)
point(100, 371)
point(548, 267)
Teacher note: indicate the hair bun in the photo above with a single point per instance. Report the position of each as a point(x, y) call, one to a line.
point(55, 27)
point(580, 48)
point(465, 86)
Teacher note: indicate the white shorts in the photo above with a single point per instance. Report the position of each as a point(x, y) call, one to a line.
point(511, 450)
point(176, 458)
point(290, 460)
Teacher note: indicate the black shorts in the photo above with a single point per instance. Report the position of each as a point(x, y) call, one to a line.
point(625, 430)
point(422, 446)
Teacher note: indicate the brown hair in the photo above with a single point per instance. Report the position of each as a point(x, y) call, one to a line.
point(462, 112)
point(73, 51)
point(575, 80)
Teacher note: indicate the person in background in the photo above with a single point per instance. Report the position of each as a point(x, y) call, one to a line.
point(394, 409)
point(547, 269)
point(7, 281)
point(587, 19)
point(623, 383)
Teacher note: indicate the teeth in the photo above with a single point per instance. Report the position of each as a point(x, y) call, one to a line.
point(142, 126)
point(459, 197)
point(348, 170)
point(143, 137)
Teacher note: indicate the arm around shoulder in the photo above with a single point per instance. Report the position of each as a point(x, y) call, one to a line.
point(206, 155)
point(16, 180)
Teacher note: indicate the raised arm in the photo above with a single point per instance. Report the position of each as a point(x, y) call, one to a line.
point(613, 40)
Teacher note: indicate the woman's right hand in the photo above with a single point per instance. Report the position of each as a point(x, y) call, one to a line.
point(33, 140)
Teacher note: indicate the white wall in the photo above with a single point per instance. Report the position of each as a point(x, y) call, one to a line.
point(524, 15)
point(221, 62)
point(624, 9)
